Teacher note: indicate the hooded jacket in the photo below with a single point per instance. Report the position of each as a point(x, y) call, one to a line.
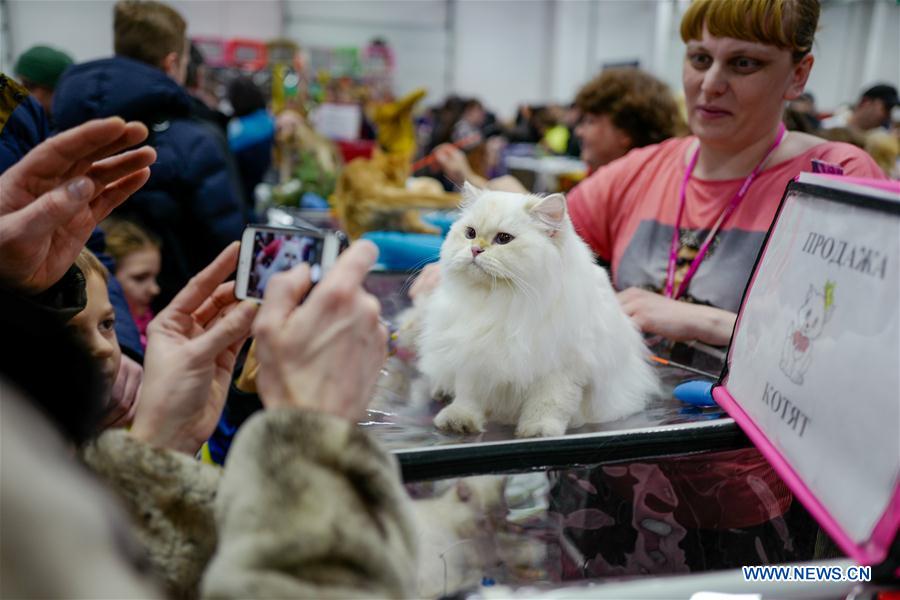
point(192, 201)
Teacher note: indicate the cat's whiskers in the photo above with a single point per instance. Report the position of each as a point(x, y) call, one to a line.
point(528, 290)
point(414, 273)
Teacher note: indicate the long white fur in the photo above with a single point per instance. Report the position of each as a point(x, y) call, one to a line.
point(530, 332)
point(290, 253)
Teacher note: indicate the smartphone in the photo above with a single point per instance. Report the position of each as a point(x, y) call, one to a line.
point(266, 251)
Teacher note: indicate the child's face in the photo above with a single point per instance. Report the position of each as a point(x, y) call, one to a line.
point(95, 325)
point(137, 273)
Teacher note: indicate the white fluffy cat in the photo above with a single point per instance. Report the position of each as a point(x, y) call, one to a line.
point(290, 252)
point(457, 532)
point(524, 328)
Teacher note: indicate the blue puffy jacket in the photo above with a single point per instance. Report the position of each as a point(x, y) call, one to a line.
point(23, 124)
point(192, 201)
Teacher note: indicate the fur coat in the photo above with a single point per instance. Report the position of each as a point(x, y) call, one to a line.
point(307, 505)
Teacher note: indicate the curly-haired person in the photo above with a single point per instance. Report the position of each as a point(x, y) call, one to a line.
point(621, 108)
point(624, 109)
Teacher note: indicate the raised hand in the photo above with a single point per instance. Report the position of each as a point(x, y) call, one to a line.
point(324, 355)
point(52, 199)
point(192, 346)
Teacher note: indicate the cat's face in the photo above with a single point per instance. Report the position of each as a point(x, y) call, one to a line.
point(504, 237)
point(812, 314)
point(289, 254)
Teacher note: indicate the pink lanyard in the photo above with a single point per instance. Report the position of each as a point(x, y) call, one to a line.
point(723, 218)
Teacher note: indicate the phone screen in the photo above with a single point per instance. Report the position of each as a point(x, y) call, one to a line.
point(276, 251)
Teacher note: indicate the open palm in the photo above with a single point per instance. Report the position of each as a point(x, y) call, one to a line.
point(52, 199)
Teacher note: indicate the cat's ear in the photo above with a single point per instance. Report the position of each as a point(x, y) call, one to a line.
point(470, 194)
point(550, 210)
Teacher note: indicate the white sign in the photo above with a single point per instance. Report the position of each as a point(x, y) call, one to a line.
point(815, 361)
point(337, 121)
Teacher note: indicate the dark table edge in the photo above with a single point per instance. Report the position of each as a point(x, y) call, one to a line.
point(533, 455)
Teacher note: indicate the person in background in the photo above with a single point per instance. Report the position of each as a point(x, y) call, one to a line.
point(470, 123)
point(445, 119)
point(137, 262)
point(39, 69)
point(95, 327)
point(871, 111)
point(652, 230)
point(524, 129)
point(192, 202)
point(204, 105)
point(623, 109)
point(803, 110)
point(251, 133)
point(620, 109)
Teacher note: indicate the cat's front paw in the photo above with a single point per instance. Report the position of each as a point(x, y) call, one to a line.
point(459, 420)
point(545, 428)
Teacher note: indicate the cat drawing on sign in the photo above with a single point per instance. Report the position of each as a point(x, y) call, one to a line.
point(815, 311)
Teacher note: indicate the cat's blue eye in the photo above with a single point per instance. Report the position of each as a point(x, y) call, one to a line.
point(503, 238)
point(470, 233)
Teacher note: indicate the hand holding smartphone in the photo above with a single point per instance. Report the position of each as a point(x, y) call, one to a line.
point(305, 360)
point(266, 251)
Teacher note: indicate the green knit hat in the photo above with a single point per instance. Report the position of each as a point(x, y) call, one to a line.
point(43, 65)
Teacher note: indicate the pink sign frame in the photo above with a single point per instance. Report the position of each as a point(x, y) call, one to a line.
point(874, 550)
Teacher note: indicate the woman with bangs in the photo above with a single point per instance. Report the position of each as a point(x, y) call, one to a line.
point(680, 224)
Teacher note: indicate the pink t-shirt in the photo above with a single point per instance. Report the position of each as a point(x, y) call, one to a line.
point(626, 212)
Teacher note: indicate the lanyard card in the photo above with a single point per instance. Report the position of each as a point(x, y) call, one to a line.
point(813, 370)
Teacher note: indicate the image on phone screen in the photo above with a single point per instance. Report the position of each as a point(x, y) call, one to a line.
point(274, 252)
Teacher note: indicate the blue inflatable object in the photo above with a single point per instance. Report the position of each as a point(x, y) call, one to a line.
point(311, 201)
point(441, 218)
point(398, 251)
point(249, 130)
point(697, 392)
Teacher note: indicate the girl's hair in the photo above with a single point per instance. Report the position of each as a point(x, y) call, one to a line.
point(124, 238)
point(787, 24)
point(88, 264)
